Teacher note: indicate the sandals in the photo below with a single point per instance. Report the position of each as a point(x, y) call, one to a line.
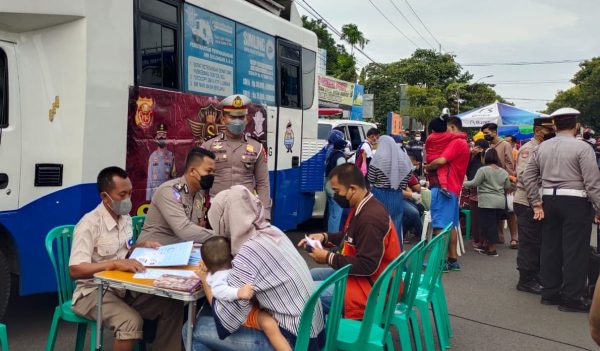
point(514, 244)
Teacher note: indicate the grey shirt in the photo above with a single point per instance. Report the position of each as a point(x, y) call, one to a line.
point(563, 162)
point(491, 183)
point(523, 157)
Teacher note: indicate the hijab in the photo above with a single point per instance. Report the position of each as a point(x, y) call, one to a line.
point(335, 141)
point(391, 161)
point(238, 214)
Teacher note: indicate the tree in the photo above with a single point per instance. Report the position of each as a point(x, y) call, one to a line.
point(326, 42)
point(584, 96)
point(353, 36)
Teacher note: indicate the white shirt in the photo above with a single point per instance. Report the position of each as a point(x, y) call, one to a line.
point(368, 149)
point(219, 287)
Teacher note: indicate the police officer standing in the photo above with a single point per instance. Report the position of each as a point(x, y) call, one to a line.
point(530, 230)
point(240, 159)
point(570, 184)
point(161, 163)
point(178, 209)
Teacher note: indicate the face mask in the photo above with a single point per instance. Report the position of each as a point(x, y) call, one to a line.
point(488, 137)
point(341, 200)
point(549, 136)
point(161, 143)
point(236, 126)
point(418, 138)
point(414, 168)
point(120, 207)
point(206, 182)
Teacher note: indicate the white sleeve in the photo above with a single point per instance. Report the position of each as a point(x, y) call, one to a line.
point(220, 289)
point(368, 150)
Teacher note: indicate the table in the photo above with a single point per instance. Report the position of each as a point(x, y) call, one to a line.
point(125, 280)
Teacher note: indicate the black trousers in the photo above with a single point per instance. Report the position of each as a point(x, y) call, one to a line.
point(488, 222)
point(530, 243)
point(566, 231)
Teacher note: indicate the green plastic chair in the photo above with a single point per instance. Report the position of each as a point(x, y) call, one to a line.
point(405, 315)
point(467, 214)
point(431, 292)
point(138, 223)
point(373, 332)
point(58, 246)
point(426, 198)
point(339, 279)
point(3, 338)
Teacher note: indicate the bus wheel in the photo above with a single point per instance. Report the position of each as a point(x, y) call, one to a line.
point(4, 284)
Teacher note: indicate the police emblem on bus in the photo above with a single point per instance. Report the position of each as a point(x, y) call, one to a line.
point(144, 113)
point(208, 124)
point(288, 137)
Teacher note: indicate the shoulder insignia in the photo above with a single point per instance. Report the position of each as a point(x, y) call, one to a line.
point(178, 187)
point(177, 195)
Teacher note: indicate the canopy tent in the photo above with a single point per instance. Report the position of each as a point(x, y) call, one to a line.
point(499, 113)
point(519, 132)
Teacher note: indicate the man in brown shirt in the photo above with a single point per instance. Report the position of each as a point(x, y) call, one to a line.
point(507, 162)
point(101, 242)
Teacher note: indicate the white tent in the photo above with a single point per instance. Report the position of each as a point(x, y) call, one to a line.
point(499, 113)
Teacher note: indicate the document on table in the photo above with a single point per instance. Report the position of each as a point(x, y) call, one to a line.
point(153, 273)
point(167, 255)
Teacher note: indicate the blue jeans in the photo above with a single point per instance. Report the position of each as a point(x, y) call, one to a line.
point(334, 217)
point(205, 337)
point(393, 201)
point(411, 219)
point(318, 275)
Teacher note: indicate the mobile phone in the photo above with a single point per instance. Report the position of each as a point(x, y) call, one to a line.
point(308, 248)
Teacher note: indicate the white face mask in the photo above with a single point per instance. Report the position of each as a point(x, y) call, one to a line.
point(418, 138)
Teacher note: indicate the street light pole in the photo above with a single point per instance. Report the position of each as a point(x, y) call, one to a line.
point(477, 81)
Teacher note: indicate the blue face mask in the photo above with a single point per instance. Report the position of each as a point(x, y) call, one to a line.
point(236, 126)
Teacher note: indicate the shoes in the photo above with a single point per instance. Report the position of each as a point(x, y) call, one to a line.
point(581, 305)
point(446, 268)
point(489, 253)
point(454, 266)
point(530, 286)
point(551, 301)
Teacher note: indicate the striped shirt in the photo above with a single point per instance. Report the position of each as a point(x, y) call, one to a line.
point(282, 285)
point(377, 178)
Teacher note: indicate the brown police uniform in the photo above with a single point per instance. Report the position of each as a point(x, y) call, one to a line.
point(99, 238)
point(175, 215)
point(240, 162)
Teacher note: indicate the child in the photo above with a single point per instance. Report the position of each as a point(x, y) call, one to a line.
point(216, 255)
point(491, 182)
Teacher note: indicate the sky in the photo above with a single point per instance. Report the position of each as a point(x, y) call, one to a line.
point(482, 31)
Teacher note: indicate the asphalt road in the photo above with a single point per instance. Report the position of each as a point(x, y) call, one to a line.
point(487, 313)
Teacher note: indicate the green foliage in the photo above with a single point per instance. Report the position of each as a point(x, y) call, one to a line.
point(584, 96)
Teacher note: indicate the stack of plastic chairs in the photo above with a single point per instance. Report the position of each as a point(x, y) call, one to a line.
point(137, 222)
point(3, 338)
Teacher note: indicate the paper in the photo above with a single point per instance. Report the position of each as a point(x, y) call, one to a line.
point(167, 255)
point(157, 273)
point(312, 242)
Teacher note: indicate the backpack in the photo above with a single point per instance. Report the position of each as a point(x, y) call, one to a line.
point(358, 160)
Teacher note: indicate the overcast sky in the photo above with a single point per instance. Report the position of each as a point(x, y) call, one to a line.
point(483, 31)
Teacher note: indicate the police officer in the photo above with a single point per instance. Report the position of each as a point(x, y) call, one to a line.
point(178, 209)
point(161, 163)
point(530, 230)
point(570, 184)
point(240, 160)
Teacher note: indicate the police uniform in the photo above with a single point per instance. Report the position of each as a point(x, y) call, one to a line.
point(175, 215)
point(530, 230)
point(161, 165)
point(569, 179)
point(240, 161)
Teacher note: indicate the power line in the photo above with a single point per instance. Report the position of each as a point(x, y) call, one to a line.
point(520, 63)
point(526, 99)
point(393, 25)
point(410, 24)
point(424, 26)
point(530, 83)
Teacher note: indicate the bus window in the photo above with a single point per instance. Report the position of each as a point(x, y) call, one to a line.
point(156, 41)
point(289, 74)
point(309, 60)
point(3, 90)
point(355, 138)
point(323, 131)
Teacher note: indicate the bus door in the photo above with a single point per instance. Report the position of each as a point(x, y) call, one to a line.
point(286, 185)
point(10, 131)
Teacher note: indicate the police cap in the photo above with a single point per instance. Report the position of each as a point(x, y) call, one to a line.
point(235, 105)
point(543, 122)
point(565, 113)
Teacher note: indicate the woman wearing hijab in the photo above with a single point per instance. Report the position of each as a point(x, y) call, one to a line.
point(388, 168)
point(334, 157)
point(265, 258)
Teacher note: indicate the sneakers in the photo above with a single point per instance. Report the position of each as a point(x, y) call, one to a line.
point(489, 253)
point(453, 266)
point(446, 269)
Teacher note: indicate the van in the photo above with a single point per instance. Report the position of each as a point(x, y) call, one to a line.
point(355, 132)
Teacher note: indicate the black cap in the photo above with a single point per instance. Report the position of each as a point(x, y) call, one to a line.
point(482, 143)
point(543, 122)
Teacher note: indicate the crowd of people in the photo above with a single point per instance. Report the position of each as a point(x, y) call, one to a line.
point(255, 281)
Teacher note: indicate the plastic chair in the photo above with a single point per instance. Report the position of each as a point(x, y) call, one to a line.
point(3, 338)
point(467, 214)
point(430, 289)
point(373, 332)
point(61, 239)
point(405, 312)
point(137, 222)
point(339, 279)
point(426, 198)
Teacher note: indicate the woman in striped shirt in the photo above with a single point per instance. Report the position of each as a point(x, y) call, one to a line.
point(265, 258)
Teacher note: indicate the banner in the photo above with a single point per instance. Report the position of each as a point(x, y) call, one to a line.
point(357, 102)
point(209, 52)
point(335, 90)
point(394, 123)
point(255, 65)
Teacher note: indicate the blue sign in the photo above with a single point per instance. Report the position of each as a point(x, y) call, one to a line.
point(209, 52)
point(357, 102)
point(255, 65)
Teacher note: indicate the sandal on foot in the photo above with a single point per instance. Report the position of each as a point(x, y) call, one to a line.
point(514, 244)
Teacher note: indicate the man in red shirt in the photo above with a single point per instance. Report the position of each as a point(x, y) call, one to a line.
point(444, 204)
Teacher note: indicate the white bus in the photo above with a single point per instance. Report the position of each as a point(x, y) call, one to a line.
point(88, 84)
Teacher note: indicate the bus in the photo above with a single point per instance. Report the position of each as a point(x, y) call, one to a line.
point(89, 84)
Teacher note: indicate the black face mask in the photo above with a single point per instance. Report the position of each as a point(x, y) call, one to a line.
point(549, 136)
point(206, 182)
point(341, 200)
point(488, 137)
